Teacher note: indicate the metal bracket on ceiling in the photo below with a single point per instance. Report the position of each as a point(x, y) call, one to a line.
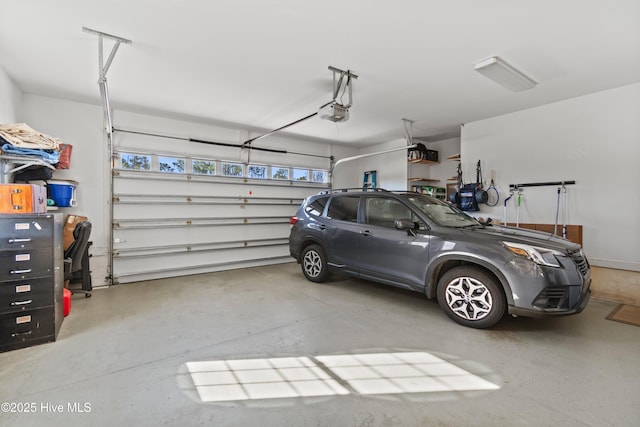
point(408, 128)
point(342, 84)
point(339, 84)
point(103, 68)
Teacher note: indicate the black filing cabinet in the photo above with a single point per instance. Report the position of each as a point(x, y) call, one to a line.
point(31, 279)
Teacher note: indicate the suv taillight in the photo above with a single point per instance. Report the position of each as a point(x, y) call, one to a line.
point(293, 220)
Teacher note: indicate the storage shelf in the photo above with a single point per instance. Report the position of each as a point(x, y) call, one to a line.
point(423, 179)
point(454, 157)
point(423, 162)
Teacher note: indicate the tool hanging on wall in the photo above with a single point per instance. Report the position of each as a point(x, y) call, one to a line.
point(504, 216)
point(493, 197)
point(492, 192)
point(469, 196)
point(555, 225)
point(561, 190)
point(518, 202)
point(481, 195)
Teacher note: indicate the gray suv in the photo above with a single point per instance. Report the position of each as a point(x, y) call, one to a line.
point(477, 272)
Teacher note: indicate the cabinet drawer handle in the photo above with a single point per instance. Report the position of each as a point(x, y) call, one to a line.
point(20, 271)
point(18, 334)
point(19, 240)
point(22, 302)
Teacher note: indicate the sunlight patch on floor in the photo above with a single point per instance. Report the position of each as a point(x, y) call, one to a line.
point(366, 374)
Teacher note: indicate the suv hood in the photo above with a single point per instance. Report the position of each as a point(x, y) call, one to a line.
point(521, 235)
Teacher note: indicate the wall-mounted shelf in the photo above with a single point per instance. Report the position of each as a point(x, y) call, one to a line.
point(455, 157)
point(10, 164)
point(423, 179)
point(423, 162)
point(437, 192)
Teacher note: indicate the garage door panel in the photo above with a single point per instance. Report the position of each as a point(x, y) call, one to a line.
point(132, 268)
point(172, 224)
point(186, 212)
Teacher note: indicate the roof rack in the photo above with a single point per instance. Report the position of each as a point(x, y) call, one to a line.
point(346, 190)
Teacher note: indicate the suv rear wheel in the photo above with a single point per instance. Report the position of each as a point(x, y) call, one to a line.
point(471, 297)
point(314, 264)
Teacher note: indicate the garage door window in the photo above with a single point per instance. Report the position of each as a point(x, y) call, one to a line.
point(319, 176)
point(257, 172)
point(278, 172)
point(301, 174)
point(232, 169)
point(136, 162)
point(203, 167)
point(171, 164)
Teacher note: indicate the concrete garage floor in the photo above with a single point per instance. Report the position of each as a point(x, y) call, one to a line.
point(127, 357)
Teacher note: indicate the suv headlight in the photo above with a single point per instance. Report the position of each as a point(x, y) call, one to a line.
point(541, 256)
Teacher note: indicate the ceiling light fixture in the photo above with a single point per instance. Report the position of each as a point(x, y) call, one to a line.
point(504, 74)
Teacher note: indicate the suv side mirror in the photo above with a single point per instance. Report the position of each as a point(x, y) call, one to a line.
point(406, 224)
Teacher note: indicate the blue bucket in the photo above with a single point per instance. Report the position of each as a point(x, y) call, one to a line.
point(62, 194)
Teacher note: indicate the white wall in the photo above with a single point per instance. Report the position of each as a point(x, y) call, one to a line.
point(391, 168)
point(11, 96)
point(80, 125)
point(594, 140)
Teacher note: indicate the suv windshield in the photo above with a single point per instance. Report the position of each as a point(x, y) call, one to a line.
point(442, 213)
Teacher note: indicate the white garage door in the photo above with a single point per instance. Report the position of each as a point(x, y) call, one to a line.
point(183, 207)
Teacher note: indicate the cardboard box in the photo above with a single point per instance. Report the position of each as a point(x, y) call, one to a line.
point(69, 226)
point(23, 198)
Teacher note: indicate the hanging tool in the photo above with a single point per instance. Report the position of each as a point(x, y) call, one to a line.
point(519, 201)
point(493, 196)
point(555, 225)
point(455, 197)
point(481, 196)
point(561, 190)
point(504, 216)
point(564, 211)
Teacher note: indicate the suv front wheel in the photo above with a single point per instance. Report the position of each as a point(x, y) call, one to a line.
point(471, 297)
point(314, 264)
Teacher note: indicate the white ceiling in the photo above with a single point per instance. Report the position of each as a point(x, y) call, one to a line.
point(260, 64)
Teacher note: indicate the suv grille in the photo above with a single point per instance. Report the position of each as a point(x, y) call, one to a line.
point(580, 260)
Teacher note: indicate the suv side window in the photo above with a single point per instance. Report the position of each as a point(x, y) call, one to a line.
point(344, 208)
point(383, 212)
point(316, 207)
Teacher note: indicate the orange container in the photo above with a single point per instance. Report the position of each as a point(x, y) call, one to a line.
point(22, 198)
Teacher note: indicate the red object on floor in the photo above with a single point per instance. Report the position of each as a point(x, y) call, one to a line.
point(66, 297)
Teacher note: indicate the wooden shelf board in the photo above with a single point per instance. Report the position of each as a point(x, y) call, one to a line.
point(424, 179)
point(424, 162)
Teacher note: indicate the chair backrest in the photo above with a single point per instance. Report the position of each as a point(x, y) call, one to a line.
point(77, 249)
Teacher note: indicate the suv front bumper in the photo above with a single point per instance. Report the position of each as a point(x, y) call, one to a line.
point(551, 303)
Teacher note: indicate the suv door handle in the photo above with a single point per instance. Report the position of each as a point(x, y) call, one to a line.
point(367, 233)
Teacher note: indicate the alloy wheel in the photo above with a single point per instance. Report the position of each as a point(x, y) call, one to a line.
point(468, 298)
point(312, 263)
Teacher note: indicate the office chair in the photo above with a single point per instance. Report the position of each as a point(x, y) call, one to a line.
point(76, 259)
